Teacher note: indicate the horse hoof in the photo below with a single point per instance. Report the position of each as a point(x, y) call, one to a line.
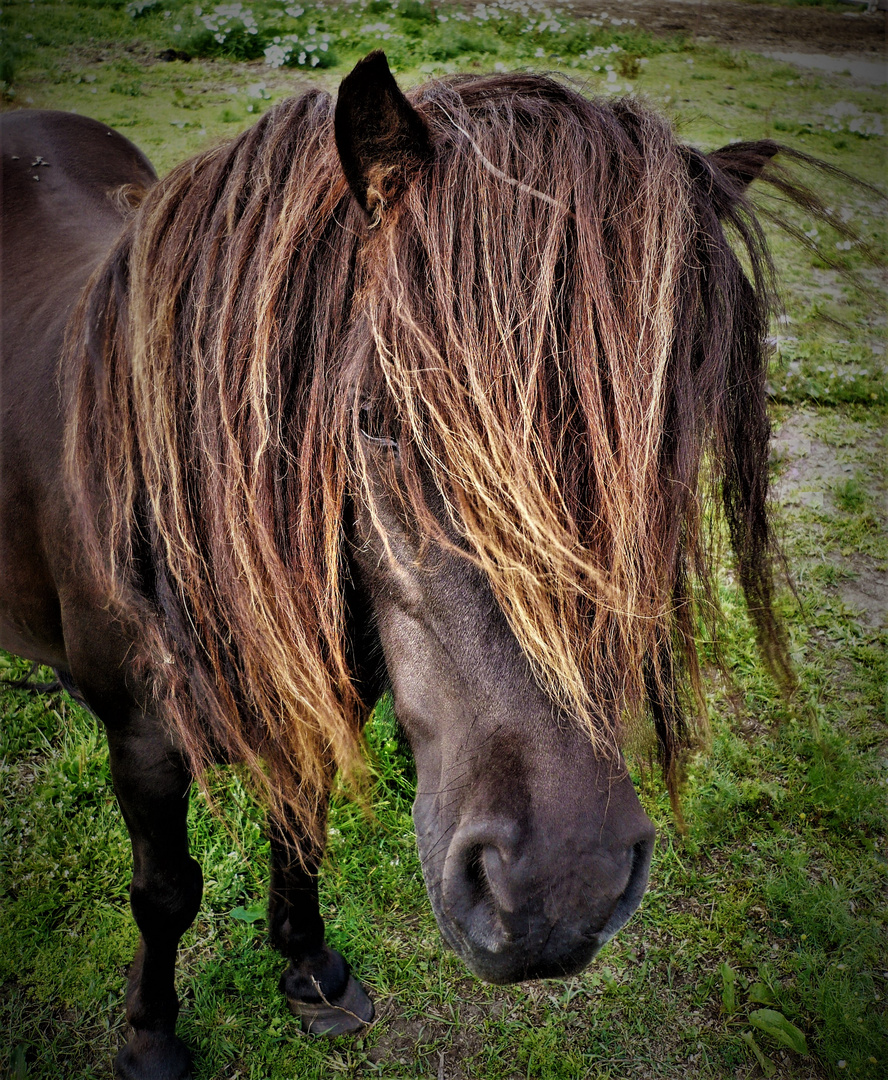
point(153, 1057)
point(350, 1012)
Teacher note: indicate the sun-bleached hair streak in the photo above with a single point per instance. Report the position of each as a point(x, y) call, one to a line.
point(567, 341)
point(551, 322)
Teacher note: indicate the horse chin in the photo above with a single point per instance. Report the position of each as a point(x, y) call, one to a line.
point(506, 967)
point(533, 956)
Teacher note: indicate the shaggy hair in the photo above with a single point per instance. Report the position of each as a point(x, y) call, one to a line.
point(550, 321)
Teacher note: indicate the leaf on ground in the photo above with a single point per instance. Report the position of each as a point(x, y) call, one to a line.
point(729, 979)
point(765, 1064)
point(248, 915)
point(776, 1025)
point(761, 994)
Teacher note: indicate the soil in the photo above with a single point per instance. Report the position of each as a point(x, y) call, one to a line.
point(757, 27)
point(811, 468)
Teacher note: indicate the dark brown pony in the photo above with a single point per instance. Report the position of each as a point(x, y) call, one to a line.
point(406, 393)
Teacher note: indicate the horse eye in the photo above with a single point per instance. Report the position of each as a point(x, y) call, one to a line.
point(374, 429)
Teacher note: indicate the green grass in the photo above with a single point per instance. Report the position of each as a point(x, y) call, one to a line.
point(771, 901)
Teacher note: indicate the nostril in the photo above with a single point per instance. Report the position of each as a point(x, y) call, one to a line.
point(478, 886)
point(642, 851)
point(476, 878)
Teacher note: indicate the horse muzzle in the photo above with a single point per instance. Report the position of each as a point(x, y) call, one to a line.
point(514, 910)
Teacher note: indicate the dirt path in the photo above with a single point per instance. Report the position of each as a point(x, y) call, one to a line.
point(757, 27)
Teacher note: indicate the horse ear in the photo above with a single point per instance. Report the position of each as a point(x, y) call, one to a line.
point(382, 140)
point(743, 162)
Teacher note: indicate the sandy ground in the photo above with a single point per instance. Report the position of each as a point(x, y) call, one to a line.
point(757, 27)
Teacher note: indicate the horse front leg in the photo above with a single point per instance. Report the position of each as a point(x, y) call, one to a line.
point(151, 783)
point(318, 983)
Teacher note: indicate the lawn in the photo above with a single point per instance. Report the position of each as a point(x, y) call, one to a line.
point(761, 945)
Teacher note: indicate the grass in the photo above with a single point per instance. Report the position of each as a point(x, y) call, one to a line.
point(760, 945)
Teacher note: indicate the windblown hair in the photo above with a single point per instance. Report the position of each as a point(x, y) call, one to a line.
point(550, 321)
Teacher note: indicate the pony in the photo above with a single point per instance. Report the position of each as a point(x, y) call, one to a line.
point(429, 393)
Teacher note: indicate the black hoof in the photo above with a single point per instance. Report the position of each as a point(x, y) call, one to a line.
point(350, 1012)
point(153, 1057)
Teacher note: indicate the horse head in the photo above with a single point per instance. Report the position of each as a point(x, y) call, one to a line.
point(534, 847)
point(527, 477)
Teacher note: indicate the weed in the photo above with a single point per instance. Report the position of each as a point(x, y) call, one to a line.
point(828, 372)
point(10, 55)
point(130, 89)
point(850, 495)
point(137, 8)
point(629, 66)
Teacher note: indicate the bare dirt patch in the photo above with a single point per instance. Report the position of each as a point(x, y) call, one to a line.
point(814, 464)
point(757, 27)
point(867, 591)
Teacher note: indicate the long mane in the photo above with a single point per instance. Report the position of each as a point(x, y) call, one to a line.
point(554, 325)
point(565, 337)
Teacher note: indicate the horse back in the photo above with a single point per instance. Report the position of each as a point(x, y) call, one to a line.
point(67, 183)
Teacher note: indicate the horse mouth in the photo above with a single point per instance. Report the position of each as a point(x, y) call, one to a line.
point(530, 956)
